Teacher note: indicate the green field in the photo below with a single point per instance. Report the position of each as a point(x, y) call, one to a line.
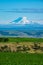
point(26, 39)
point(7, 58)
point(12, 39)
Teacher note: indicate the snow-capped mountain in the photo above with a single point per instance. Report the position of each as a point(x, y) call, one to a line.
point(22, 20)
point(22, 27)
point(22, 23)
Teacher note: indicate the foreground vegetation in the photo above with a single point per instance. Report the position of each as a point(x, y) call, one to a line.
point(20, 59)
point(30, 45)
point(21, 51)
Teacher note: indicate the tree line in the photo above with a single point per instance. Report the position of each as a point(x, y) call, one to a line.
point(4, 39)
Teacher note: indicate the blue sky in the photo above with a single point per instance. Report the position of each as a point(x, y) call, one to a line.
point(12, 9)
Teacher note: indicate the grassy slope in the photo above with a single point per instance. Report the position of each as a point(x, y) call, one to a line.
point(7, 58)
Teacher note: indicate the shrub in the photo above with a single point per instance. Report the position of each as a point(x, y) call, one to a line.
point(5, 49)
point(41, 48)
point(36, 46)
point(1, 39)
point(19, 48)
point(25, 48)
point(5, 39)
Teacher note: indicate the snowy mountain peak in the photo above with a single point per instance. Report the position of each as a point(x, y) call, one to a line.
point(21, 20)
point(25, 20)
